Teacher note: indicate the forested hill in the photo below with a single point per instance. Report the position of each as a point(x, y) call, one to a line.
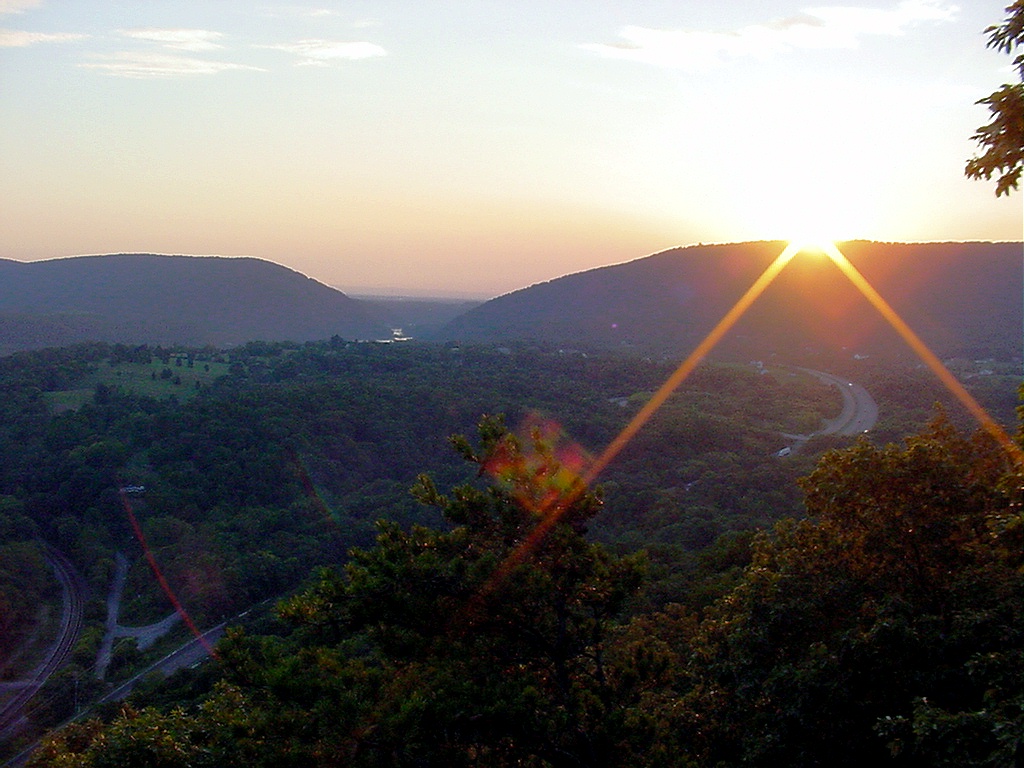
point(147, 298)
point(962, 298)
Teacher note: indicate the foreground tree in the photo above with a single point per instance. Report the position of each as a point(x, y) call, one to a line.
point(489, 639)
point(482, 644)
point(1002, 140)
point(885, 628)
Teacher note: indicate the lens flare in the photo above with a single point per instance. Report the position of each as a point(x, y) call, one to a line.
point(691, 362)
point(559, 491)
point(545, 473)
point(162, 581)
point(554, 505)
point(927, 356)
point(812, 244)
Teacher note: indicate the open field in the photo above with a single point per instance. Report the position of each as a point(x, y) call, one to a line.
point(179, 377)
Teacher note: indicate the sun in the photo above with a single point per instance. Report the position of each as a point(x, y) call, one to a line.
point(814, 217)
point(815, 244)
point(809, 214)
point(813, 195)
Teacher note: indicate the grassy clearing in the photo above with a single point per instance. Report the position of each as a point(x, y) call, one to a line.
point(161, 380)
point(155, 379)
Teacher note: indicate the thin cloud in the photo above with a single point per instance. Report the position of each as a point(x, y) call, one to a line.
point(13, 38)
point(320, 53)
point(18, 6)
point(313, 12)
point(177, 39)
point(146, 66)
point(825, 27)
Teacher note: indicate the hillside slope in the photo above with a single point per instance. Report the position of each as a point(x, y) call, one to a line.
point(962, 298)
point(146, 298)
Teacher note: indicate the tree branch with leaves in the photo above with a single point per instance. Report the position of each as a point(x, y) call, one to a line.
point(1002, 139)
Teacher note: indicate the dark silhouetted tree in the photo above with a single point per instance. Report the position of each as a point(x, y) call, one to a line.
point(1002, 140)
point(884, 629)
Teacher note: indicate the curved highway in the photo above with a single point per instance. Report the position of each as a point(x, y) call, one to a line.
point(860, 411)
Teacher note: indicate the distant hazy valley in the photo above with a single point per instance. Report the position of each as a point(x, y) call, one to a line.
point(962, 298)
point(238, 427)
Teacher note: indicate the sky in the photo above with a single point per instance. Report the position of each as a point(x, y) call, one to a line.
point(470, 148)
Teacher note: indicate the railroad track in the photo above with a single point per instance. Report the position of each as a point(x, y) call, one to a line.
point(73, 601)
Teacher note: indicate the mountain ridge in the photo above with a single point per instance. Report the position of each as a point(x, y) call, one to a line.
point(171, 299)
point(961, 297)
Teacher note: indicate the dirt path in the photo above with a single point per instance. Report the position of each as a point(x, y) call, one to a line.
point(145, 636)
point(113, 607)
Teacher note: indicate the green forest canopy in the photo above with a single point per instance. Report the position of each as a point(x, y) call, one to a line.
point(885, 628)
point(260, 463)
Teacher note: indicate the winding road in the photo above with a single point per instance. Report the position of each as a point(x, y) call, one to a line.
point(187, 655)
point(860, 411)
point(145, 636)
point(858, 415)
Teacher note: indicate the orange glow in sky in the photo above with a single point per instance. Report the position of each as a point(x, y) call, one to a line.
point(925, 354)
point(558, 491)
point(472, 148)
